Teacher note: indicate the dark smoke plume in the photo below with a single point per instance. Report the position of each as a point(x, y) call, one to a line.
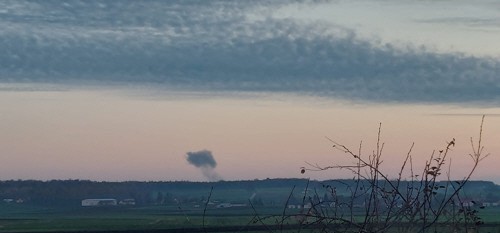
point(203, 158)
point(205, 161)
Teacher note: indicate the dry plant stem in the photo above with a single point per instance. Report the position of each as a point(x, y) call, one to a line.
point(414, 208)
point(477, 157)
point(361, 164)
point(283, 215)
point(256, 218)
point(205, 209)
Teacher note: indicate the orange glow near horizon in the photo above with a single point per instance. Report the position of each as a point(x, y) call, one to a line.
point(100, 135)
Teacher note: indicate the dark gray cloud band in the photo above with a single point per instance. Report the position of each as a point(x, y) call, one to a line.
point(218, 46)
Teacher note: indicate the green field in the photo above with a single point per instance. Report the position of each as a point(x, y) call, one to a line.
point(55, 206)
point(27, 219)
point(24, 218)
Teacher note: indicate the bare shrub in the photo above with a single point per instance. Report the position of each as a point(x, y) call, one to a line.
point(425, 201)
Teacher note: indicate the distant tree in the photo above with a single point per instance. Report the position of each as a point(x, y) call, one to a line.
point(257, 202)
point(160, 198)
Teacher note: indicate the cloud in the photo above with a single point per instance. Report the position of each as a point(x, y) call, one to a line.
point(472, 22)
point(6, 87)
point(467, 114)
point(226, 46)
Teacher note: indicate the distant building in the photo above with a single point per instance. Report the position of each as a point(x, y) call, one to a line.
point(467, 203)
point(298, 205)
point(490, 204)
point(99, 202)
point(129, 201)
point(223, 205)
point(10, 200)
point(229, 205)
point(294, 203)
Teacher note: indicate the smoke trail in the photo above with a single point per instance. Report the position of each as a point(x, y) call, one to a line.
point(204, 160)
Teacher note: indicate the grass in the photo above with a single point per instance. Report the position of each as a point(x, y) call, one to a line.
point(25, 218)
point(33, 219)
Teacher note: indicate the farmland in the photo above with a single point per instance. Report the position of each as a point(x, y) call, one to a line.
point(39, 219)
point(171, 206)
point(36, 218)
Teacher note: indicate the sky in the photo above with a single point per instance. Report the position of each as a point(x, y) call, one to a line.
point(132, 90)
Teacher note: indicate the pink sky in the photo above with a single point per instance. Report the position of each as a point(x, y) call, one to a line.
point(102, 135)
point(122, 90)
